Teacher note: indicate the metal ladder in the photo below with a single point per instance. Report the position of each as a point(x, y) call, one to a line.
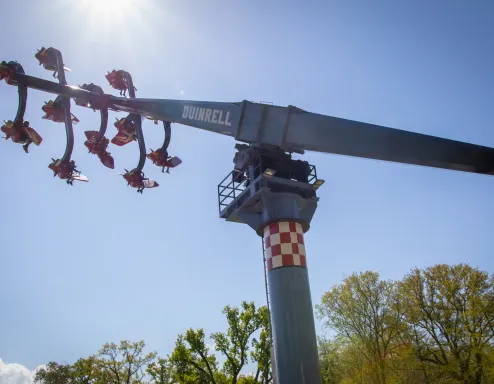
point(273, 374)
point(266, 283)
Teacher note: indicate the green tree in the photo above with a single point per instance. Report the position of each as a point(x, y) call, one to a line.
point(54, 373)
point(192, 360)
point(124, 363)
point(234, 343)
point(489, 365)
point(450, 315)
point(113, 364)
point(161, 371)
point(194, 363)
point(365, 310)
point(261, 354)
point(330, 360)
point(87, 371)
point(354, 365)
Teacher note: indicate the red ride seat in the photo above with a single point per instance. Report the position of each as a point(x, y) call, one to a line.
point(99, 148)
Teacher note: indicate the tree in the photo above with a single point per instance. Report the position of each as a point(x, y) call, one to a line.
point(489, 366)
point(124, 363)
point(161, 371)
point(330, 360)
point(234, 343)
point(191, 359)
point(354, 365)
point(262, 354)
point(450, 316)
point(117, 364)
point(365, 310)
point(54, 373)
point(87, 371)
point(194, 363)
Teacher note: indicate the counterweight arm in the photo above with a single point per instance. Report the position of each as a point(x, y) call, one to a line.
point(315, 132)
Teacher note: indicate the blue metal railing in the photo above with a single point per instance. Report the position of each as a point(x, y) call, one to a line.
point(312, 174)
point(235, 183)
point(231, 187)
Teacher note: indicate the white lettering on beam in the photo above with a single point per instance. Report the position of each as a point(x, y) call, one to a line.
point(207, 115)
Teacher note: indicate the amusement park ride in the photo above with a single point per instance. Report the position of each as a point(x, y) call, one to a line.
point(268, 190)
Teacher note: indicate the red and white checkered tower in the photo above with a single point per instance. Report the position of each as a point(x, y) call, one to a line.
point(284, 245)
point(279, 207)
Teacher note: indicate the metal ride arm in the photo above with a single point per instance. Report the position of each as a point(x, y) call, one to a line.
point(103, 110)
point(138, 124)
point(160, 157)
point(104, 124)
point(96, 141)
point(7, 70)
point(64, 168)
point(296, 130)
point(66, 108)
point(18, 130)
point(168, 135)
point(21, 110)
point(123, 81)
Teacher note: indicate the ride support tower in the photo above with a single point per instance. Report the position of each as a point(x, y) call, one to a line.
point(278, 202)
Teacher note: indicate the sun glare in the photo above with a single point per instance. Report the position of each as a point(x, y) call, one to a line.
point(109, 9)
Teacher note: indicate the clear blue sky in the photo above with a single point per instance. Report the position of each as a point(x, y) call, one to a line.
point(98, 262)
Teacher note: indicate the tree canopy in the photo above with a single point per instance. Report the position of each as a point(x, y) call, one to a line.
point(191, 362)
point(434, 326)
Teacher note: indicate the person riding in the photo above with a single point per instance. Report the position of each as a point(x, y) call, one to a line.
point(48, 58)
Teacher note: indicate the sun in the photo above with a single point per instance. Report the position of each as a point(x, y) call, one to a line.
point(108, 9)
point(115, 23)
